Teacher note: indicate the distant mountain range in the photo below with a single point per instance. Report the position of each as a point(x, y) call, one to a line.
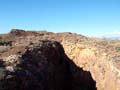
point(112, 36)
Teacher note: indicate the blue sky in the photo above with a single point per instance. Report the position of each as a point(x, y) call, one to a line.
point(88, 17)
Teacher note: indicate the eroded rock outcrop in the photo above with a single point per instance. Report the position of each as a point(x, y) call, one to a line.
point(99, 63)
point(19, 33)
point(43, 66)
point(87, 63)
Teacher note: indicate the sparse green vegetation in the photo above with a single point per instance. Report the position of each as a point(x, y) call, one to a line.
point(6, 42)
point(118, 49)
point(4, 49)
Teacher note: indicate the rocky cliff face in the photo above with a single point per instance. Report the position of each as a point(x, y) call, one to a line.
point(43, 66)
point(59, 61)
point(100, 64)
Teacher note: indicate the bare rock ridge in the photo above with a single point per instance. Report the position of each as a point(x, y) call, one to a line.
point(43, 66)
point(58, 61)
point(17, 32)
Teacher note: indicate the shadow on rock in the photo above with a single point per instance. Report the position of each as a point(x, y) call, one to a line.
point(80, 79)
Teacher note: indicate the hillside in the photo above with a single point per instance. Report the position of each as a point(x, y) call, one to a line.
point(58, 61)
